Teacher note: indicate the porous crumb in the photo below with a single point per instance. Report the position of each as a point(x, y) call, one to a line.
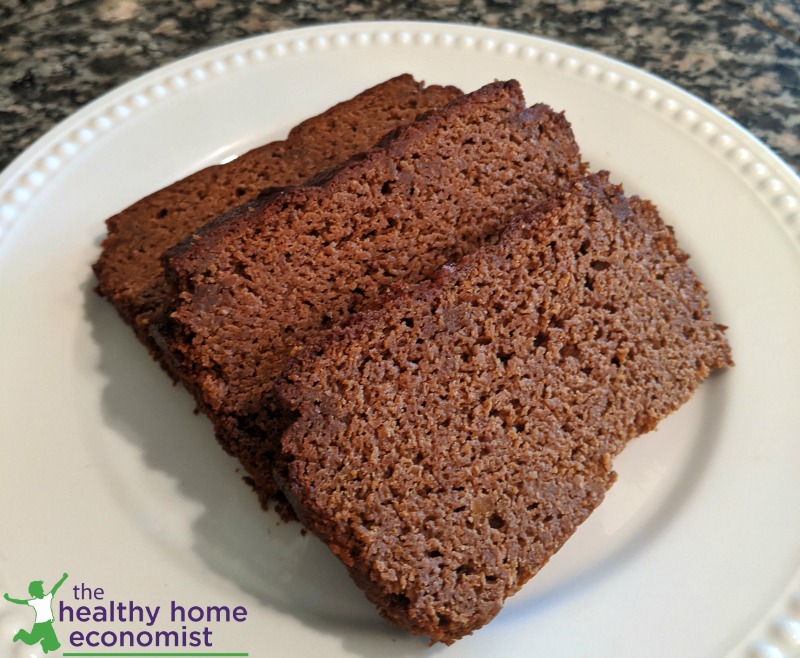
point(452, 438)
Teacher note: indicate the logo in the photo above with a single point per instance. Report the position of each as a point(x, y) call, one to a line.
point(92, 622)
point(42, 631)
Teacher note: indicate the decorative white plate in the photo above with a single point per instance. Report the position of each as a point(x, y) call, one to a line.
point(106, 473)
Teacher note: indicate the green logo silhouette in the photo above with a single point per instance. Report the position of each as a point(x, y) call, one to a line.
point(42, 603)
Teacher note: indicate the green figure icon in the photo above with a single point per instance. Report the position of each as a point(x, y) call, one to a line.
point(42, 630)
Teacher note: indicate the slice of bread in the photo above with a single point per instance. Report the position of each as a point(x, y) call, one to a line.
point(452, 438)
point(129, 270)
point(274, 274)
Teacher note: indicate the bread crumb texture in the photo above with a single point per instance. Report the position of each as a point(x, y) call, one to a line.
point(129, 269)
point(280, 272)
point(451, 439)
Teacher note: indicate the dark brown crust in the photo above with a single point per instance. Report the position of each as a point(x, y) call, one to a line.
point(129, 270)
point(450, 440)
point(257, 283)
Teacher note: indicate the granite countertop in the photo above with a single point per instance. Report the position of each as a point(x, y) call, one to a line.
point(743, 57)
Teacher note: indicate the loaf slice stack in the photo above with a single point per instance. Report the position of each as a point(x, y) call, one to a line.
point(452, 438)
point(279, 272)
point(129, 270)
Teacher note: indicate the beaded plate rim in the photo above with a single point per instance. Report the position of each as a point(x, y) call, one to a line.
point(773, 180)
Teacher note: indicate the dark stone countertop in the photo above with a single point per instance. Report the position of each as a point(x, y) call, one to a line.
point(742, 57)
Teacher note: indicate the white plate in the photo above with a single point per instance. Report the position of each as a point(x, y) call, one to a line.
point(106, 474)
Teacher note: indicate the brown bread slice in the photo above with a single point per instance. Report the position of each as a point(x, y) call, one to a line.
point(452, 439)
point(129, 270)
point(280, 271)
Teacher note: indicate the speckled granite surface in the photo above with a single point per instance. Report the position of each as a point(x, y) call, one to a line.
point(743, 57)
